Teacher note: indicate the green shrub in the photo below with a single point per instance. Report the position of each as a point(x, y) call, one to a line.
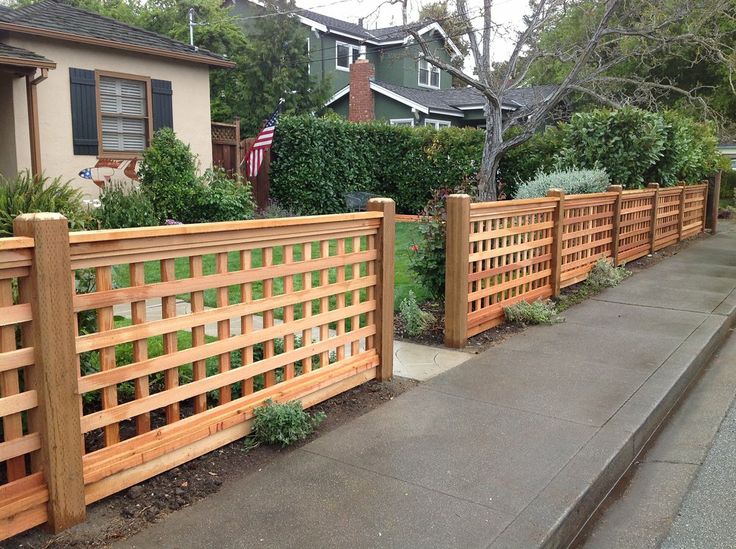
point(415, 320)
point(525, 161)
point(625, 143)
point(538, 312)
point(217, 197)
point(605, 275)
point(26, 194)
point(316, 161)
point(570, 181)
point(728, 184)
point(168, 173)
point(124, 206)
point(284, 423)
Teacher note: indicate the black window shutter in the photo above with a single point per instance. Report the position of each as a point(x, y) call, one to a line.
point(84, 111)
point(163, 114)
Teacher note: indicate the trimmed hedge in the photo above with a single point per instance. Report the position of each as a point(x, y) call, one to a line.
point(316, 161)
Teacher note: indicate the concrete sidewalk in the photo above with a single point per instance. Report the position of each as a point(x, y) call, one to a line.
point(513, 448)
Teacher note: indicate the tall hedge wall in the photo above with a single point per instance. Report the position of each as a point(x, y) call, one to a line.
point(317, 160)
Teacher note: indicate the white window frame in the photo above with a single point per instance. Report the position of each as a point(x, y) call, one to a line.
point(438, 124)
point(351, 49)
point(402, 121)
point(431, 69)
point(309, 55)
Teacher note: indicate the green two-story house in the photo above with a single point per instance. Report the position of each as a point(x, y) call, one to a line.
point(379, 73)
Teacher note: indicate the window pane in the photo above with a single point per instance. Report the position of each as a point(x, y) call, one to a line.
point(424, 76)
point(356, 54)
point(435, 78)
point(118, 97)
point(343, 53)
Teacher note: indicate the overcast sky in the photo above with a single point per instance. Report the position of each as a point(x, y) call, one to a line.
point(508, 13)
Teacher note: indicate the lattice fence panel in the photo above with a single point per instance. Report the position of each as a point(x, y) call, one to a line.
point(23, 492)
point(668, 217)
point(185, 332)
point(694, 210)
point(587, 234)
point(509, 258)
point(635, 224)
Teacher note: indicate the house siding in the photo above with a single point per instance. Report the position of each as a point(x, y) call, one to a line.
point(8, 159)
point(190, 104)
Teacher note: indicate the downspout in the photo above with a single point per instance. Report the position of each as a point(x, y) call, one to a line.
point(33, 125)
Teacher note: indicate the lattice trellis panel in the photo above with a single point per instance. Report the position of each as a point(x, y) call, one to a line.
point(694, 210)
point(509, 258)
point(587, 234)
point(635, 225)
point(668, 217)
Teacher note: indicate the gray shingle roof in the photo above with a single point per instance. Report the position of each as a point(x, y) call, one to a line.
point(53, 15)
point(384, 34)
point(452, 98)
point(23, 56)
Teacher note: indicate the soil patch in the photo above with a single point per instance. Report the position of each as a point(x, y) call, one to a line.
point(129, 511)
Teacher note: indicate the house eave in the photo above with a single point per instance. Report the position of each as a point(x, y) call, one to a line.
point(338, 94)
point(446, 113)
point(399, 98)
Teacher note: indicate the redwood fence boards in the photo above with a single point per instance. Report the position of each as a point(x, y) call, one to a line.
point(302, 309)
point(499, 253)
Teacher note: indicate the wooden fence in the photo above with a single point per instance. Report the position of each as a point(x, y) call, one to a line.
point(300, 308)
point(227, 150)
point(499, 253)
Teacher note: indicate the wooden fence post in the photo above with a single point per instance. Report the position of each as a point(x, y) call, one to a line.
point(655, 204)
point(681, 216)
point(385, 245)
point(457, 250)
point(616, 221)
point(54, 372)
point(557, 240)
point(714, 195)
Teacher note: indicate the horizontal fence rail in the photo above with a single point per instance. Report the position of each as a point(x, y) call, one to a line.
point(177, 334)
point(500, 253)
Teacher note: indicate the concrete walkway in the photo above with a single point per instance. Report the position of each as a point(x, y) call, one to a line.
point(513, 448)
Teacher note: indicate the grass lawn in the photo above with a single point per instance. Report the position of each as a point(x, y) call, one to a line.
point(407, 234)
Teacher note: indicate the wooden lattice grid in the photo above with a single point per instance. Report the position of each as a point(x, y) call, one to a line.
point(587, 234)
point(192, 330)
point(667, 230)
point(509, 258)
point(23, 492)
point(694, 210)
point(635, 225)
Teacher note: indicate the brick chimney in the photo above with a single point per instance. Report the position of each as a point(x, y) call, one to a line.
point(361, 97)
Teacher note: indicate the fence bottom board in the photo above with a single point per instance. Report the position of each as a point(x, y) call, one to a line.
point(25, 508)
point(22, 521)
point(223, 434)
point(485, 319)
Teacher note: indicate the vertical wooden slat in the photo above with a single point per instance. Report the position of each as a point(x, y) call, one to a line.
point(140, 347)
point(268, 346)
point(199, 367)
point(385, 245)
point(355, 322)
point(103, 278)
point(307, 307)
point(168, 310)
point(681, 215)
point(456, 270)
point(371, 270)
point(616, 220)
point(223, 326)
point(557, 233)
point(10, 385)
point(324, 280)
point(246, 322)
point(50, 294)
point(288, 310)
point(655, 206)
point(340, 278)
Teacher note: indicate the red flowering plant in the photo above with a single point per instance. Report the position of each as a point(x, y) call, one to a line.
point(428, 261)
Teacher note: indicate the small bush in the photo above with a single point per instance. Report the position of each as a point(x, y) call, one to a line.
point(605, 275)
point(571, 181)
point(538, 312)
point(415, 320)
point(124, 206)
point(168, 173)
point(284, 423)
point(27, 194)
point(217, 197)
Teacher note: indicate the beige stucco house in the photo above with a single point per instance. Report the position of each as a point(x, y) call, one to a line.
point(81, 94)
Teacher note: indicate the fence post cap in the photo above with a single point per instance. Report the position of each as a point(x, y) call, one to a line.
point(556, 192)
point(615, 188)
point(652, 185)
point(381, 200)
point(42, 216)
point(456, 196)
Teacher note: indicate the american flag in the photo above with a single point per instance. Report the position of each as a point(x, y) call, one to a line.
point(262, 143)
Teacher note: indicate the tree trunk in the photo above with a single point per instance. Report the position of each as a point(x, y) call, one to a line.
point(487, 186)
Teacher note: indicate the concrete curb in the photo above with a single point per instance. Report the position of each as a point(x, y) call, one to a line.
point(556, 516)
